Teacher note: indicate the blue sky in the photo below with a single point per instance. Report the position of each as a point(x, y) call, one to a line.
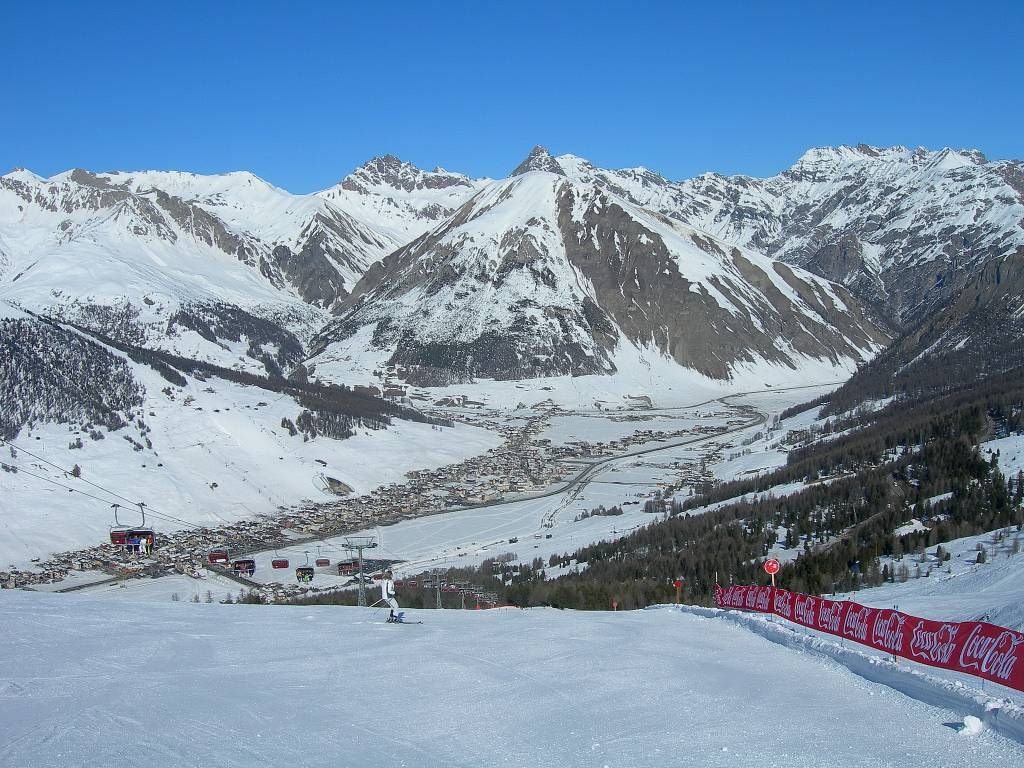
point(301, 93)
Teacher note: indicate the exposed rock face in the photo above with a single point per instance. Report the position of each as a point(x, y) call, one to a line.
point(649, 297)
point(557, 269)
point(539, 159)
point(399, 199)
point(540, 276)
point(979, 334)
point(389, 171)
point(903, 229)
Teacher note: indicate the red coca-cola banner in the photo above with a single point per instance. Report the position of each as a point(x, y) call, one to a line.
point(973, 647)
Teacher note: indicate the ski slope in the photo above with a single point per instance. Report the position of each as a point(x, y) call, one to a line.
point(960, 589)
point(87, 682)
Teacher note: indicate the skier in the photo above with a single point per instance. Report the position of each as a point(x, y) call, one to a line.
point(387, 594)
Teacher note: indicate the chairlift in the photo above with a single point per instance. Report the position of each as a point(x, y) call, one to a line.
point(305, 573)
point(218, 556)
point(118, 532)
point(323, 562)
point(136, 539)
point(278, 562)
point(244, 567)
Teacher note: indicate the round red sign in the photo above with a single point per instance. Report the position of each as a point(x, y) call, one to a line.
point(771, 566)
point(677, 583)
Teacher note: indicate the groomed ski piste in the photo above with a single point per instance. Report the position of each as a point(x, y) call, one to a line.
point(85, 681)
point(119, 676)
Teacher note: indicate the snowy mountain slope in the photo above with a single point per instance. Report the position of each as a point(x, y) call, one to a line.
point(145, 267)
point(397, 198)
point(298, 243)
point(200, 451)
point(147, 246)
point(900, 227)
point(539, 275)
point(978, 333)
point(307, 686)
point(960, 589)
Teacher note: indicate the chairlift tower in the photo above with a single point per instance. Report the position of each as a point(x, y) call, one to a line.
point(437, 585)
point(359, 543)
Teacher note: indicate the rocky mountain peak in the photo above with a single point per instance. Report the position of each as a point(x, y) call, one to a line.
point(395, 173)
point(88, 178)
point(386, 169)
point(539, 159)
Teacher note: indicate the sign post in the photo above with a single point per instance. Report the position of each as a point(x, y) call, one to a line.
point(771, 567)
point(678, 584)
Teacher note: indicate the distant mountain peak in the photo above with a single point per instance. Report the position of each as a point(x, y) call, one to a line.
point(539, 159)
point(386, 168)
point(820, 158)
point(391, 171)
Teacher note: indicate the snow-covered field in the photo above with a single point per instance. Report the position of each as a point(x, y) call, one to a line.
point(604, 428)
point(85, 682)
point(1011, 453)
point(222, 457)
point(960, 589)
point(467, 537)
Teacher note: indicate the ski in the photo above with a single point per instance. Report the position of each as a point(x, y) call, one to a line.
point(399, 618)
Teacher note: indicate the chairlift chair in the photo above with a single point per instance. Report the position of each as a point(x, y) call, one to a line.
point(218, 556)
point(137, 539)
point(305, 573)
point(278, 562)
point(244, 566)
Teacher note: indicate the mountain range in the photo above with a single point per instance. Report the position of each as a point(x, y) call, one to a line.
point(560, 268)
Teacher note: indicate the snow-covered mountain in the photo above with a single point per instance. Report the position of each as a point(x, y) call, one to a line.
point(400, 199)
point(539, 275)
point(974, 335)
point(903, 228)
point(194, 264)
point(563, 267)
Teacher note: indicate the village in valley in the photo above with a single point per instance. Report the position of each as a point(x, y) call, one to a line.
point(529, 463)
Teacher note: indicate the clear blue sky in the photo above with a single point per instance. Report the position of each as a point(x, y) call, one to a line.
point(301, 93)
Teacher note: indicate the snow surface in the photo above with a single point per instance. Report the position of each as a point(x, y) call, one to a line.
point(960, 589)
point(220, 459)
point(467, 537)
point(1011, 454)
point(85, 682)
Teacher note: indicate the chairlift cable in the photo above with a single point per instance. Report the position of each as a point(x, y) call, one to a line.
point(20, 470)
point(155, 513)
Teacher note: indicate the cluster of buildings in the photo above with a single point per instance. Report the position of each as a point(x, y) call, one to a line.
point(524, 462)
